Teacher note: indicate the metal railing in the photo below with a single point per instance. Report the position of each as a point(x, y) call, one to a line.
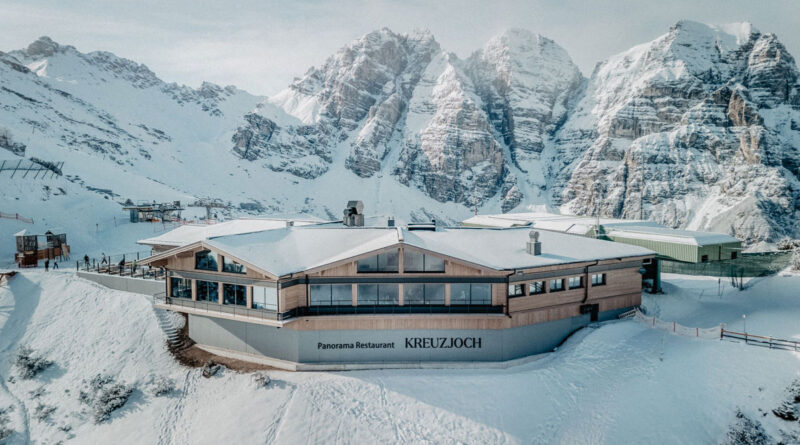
point(213, 306)
point(397, 309)
point(747, 265)
point(122, 269)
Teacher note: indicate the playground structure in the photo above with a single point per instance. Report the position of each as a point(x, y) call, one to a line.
point(153, 212)
point(209, 203)
point(28, 251)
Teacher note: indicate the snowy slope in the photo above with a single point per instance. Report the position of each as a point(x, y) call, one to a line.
point(620, 383)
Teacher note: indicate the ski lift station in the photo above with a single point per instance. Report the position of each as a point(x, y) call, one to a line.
point(153, 211)
point(328, 295)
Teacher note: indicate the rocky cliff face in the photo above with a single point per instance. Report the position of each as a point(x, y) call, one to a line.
point(693, 129)
point(699, 128)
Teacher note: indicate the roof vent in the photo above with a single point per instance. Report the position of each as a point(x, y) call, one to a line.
point(431, 226)
point(354, 214)
point(390, 222)
point(289, 223)
point(533, 246)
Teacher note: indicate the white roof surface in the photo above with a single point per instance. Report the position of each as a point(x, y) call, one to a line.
point(672, 235)
point(295, 249)
point(582, 225)
point(192, 233)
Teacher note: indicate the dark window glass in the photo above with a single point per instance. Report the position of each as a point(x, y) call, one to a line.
point(367, 294)
point(388, 261)
point(537, 287)
point(413, 261)
point(228, 265)
point(598, 279)
point(459, 293)
point(382, 262)
point(205, 260)
point(320, 294)
point(234, 294)
point(413, 294)
point(481, 293)
point(434, 294)
point(342, 294)
point(704, 259)
point(433, 264)
point(369, 264)
point(388, 294)
point(556, 285)
point(516, 290)
point(734, 255)
point(207, 291)
point(181, 288)
point(575, 282)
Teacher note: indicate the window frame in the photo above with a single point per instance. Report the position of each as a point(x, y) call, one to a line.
point(226, 287)
point(541, 286)
point(578, 286)
point(425, 266)
point(205, 286)
point(226, 261)
point(557, 289)
point(520, 293)
point(470, 300)
point(206, 252)
point(377, 262)
point(380, 300)
point(267, 303)
point(426, 301)
point(182, 290)
point(602, 281)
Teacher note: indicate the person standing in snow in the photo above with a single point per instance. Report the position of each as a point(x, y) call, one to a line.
point(46, 265)
point(133, 268)
point(86, 260)
point(104, 259)
point(55, 264)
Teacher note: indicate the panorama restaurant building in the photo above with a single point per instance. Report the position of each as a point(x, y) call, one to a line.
point(342, 294)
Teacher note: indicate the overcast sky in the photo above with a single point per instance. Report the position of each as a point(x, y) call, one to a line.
point(262, 45)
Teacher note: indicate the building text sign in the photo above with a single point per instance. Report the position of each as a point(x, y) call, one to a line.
point(411, 343)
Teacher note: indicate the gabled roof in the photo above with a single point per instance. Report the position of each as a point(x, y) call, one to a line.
point(297, 249)
point(191, 233)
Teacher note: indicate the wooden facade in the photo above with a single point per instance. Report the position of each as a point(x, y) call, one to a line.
point(621, 288)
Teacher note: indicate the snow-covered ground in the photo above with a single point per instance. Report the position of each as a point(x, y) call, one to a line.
point(620, 382)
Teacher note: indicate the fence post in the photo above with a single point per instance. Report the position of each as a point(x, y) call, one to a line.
point(674, 325)
point(697, 332)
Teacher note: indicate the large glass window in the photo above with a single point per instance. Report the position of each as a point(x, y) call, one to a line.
point(265, 298)
point(382, 262)
point(475, 293)
point(537, 287)
point(181, 287)
point(207, 291)
point(205, 260)
point(331, 294)
point(423, 294)
point(556, 285)
point(228, 265)
point(378, 294)
point(598, 279)
point(516, 290)
point(419, 262)
point(575, 282)
point(234, 294)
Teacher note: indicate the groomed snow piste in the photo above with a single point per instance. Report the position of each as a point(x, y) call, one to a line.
point(619, 382)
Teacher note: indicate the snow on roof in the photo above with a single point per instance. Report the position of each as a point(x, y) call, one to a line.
point(295, 249)
point(672, 235)
point(505, 248)
point(191, 233)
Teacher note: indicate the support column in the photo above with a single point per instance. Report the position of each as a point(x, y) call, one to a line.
point(194, 290)
point(168, 284)
point(249, 297)
point(400, 264)
point(219, 289)
point(447, 294)
point(355, 294)
point(401, 299)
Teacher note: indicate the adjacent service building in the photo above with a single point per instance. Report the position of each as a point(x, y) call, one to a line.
point(337, 293)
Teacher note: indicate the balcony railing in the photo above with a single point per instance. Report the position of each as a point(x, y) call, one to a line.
point(211, 306)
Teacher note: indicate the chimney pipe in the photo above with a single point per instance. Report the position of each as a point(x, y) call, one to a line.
point(533, 246)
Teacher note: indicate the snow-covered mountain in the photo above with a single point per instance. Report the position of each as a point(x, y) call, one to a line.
point(698, 128)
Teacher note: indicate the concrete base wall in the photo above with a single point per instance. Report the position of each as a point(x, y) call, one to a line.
point(127, 284)
point(385, 347)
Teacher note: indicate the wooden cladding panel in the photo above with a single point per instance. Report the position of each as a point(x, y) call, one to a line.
point(291, 297)
point(618, 282)
point(544, 300)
